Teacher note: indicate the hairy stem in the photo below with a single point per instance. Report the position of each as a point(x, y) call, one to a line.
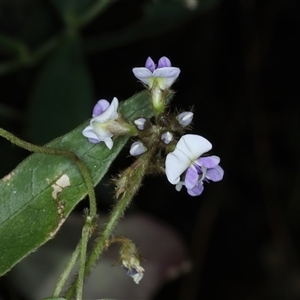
point(127, 185)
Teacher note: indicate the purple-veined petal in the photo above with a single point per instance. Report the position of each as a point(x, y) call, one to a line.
point(191, 177)
point(193, 146)
point(208, 161)
point(176, 163)
point(215, 174)
point(150, 64)
point(185, 118)
point(197, 190)
point(100, 107)
point(163, 62)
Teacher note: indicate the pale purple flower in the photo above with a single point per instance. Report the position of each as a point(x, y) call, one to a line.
point(140, 123)
point(137, 148)
point(167, 137)
point(136, 273)
point(186, 162)
point(162, 75)
point(103, 114)
point(185, 118)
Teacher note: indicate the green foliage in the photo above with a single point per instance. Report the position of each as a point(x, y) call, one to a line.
point(30, 214)
point(63, 91)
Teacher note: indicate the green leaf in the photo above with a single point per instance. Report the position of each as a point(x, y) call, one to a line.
point(29, 213)
point(63, 91)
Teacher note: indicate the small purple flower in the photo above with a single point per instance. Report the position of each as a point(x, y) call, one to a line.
point(162, 75)
point(103, 114)
point(186, 159)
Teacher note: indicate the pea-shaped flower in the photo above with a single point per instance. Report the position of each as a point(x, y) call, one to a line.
point(186, 161)
point(99, 129)
point(162, 75)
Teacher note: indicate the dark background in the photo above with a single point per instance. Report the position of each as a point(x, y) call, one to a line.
point(239, 66)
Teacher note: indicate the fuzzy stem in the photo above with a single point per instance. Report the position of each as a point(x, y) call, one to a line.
point(65, 275)
point(83, 243)
point(126, 187)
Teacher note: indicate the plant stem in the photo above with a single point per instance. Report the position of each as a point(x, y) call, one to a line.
point(127, 185)
point(64, 276)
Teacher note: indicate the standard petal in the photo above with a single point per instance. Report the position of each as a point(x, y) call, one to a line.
point(193, 146)
point(110, 114)
point(176, 163)
point(208, 161)
point(191, 177)
point(150, 64)
point(215, 174)
point(164, 62)
point(101, 106)
point(197, 190)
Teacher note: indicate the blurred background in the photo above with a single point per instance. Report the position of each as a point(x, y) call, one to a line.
point(239, 62)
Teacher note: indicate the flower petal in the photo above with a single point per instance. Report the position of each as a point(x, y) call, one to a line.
point(208, 161)
point(185, 118)
point(193, 146)
point(176, 163)
point(109, 114)
point(191, 177)
point(109, 143)
point(150, 64)
point(167, 137)
point(90, 134)
point(140, 122)
point(166, 76)
point(144, 75)
point(197, 190)
point(163, 62)
point(137, 148)
point(215, 174)
point(100, 107)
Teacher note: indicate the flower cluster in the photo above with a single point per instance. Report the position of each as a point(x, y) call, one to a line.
point(186, 163)
point(162, 141)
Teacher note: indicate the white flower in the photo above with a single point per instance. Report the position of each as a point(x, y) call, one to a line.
point(188, 149)
point(103, 114)
point(186, 158)
point(162, 75)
